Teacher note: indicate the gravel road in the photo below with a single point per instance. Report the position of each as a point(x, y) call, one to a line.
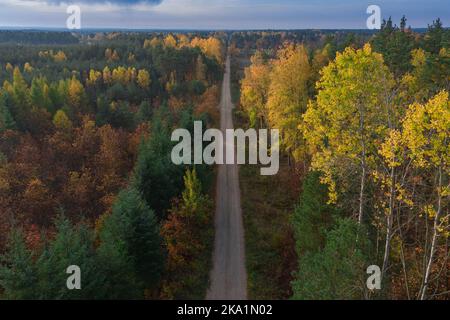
point(228, 276)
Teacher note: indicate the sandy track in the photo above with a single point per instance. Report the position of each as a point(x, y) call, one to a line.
point(228, 276)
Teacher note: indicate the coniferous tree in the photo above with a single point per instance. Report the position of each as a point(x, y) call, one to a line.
point(18, 274)
point(155, 175)
point(130, 238)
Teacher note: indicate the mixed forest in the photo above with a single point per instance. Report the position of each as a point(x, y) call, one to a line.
point(85, 171)
point(365, 129)
point(86, 177)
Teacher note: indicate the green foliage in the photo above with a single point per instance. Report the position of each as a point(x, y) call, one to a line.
point(437, 37)
point(332, 251)
point(395, 44)
point(18, 274)
point(41, 274)
point(73, 245)
point(155, 175)
point(128, 260)
point(313, 216)
point(337, 271)
point(39, 94)
point(188, 234)
point(267, 206)
point(6, 119)
point(131, 244)
point(144, 112)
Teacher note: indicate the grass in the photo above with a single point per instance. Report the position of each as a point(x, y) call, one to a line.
point(267, 206)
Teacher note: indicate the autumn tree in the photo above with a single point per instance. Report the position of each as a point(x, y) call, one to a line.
point(76, 95)
point(349, 118)
point(320, 59)
point(60, 56)
point(187, 233)
point(107, 76)
point(288, 96)
point(426, 131)
point(62, 121)
point(143, 79)
point(94, 77)
point(170, 41)
point(255, 89)
point(27, 68)
point(211, 47)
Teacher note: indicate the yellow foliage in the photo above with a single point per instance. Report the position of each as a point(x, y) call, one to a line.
point(426, 131)
point(288, 96)
point(107, 77)
point(94, 77)
point(349, 120)
point(212, 47)
point(60, 56)
point(62, 121)
point(27, 67)
point(255, 89)
point(143, 79)
point(75, 93)
point(170, 41)
point(9, 67)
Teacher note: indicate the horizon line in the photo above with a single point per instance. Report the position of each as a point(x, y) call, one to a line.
point(63, 29)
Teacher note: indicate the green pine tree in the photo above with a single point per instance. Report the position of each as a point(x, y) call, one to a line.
point(18, 274)
point(6, 119)
point(131, 236)
point(339, 270)
point(155, 176)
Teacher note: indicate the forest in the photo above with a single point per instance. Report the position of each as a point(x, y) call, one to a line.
point(85, 171)
point(86, 176)
point(365, 128)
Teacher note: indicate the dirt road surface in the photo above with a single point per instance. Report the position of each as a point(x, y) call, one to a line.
point(228, 276)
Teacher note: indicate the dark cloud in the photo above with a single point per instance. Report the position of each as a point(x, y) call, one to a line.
point(116, 2)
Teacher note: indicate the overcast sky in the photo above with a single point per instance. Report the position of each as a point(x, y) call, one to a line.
point(219, 14)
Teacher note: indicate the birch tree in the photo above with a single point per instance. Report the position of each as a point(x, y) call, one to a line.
point(288, 96)
point(348, 120)
point(426, 131)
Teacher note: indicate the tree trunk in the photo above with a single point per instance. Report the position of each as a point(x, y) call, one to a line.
point(363, 167)
point(426, 278)
point(361, 193)
point(389, 224)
